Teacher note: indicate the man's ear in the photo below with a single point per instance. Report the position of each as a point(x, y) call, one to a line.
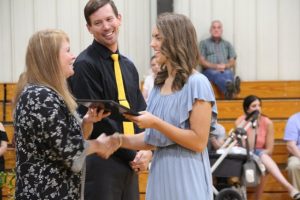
point(88, 28)
point(119, 17)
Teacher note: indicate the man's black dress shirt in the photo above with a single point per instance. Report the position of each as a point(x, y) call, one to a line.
point(94, 78)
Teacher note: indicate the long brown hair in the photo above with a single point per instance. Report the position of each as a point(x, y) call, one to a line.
point(179, 45)
point(43, 65)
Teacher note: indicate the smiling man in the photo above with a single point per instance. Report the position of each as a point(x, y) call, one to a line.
point(94, 78)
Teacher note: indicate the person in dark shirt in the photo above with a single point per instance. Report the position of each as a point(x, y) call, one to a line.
point(94, 78)
point(50, 148)
point(3, 148)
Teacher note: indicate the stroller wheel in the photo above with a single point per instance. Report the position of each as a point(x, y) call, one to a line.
point(228, 194)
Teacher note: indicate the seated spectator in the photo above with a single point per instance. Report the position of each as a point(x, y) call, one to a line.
point(218, 59)
point(261, 141)
point(292, 136)
point(149, 80)
point(217, 138)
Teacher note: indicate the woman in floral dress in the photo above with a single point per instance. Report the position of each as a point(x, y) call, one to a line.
point(50, 146)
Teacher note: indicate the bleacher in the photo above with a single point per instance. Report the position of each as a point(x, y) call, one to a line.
point(6, 96)
point(280, 99)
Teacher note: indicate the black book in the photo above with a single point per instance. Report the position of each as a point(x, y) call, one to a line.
point(107, 105)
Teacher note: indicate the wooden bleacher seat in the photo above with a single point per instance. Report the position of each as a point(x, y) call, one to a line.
point(7, 92)
point(1, 112)
point(9, 128)
point(271, 89)
point(267, 89)
point(8, 112)
point(1, 91)
point(10, 154)
point(272, 189)
point(281, 99)
point(10, 159)
point(280, 154)
point(274, 109)
point(6, 115)
point(10, 91)
point(279, 126)
point(143, 177)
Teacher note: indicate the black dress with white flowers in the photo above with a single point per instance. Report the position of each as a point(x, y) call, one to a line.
point(48, 141)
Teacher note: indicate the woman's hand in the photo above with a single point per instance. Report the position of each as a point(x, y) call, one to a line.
point(93, 115)
point(144, 120)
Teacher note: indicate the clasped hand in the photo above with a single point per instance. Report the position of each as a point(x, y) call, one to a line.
point(221, 67)
point(141, 161)
point(107, 145)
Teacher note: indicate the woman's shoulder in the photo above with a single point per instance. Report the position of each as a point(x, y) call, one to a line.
point(197, 75)
point(39, 92)
point(199, 82)
point(41, 89)
point(37, 87)
point(240, 119)
point(266, 120)
point(197, 78)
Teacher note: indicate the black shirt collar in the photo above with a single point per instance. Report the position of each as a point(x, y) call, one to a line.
point(103, 50)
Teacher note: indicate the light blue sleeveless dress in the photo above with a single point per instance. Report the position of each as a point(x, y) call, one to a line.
point(177, 173)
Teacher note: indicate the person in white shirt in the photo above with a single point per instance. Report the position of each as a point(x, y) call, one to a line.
point(149, 80)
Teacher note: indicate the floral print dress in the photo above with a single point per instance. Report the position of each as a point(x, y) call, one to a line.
point(48, 142)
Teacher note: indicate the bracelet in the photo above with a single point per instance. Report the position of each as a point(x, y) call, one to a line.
point(120, 139)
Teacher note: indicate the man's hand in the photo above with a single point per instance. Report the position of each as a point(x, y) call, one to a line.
point(141, 161)
point(221, 67)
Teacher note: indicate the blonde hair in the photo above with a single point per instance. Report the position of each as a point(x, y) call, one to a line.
point(179, 45)
point(43, 65)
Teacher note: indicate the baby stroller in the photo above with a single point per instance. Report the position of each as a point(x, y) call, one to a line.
point(241, 164)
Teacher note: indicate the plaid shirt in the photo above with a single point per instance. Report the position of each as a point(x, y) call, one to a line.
point(217, 52)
